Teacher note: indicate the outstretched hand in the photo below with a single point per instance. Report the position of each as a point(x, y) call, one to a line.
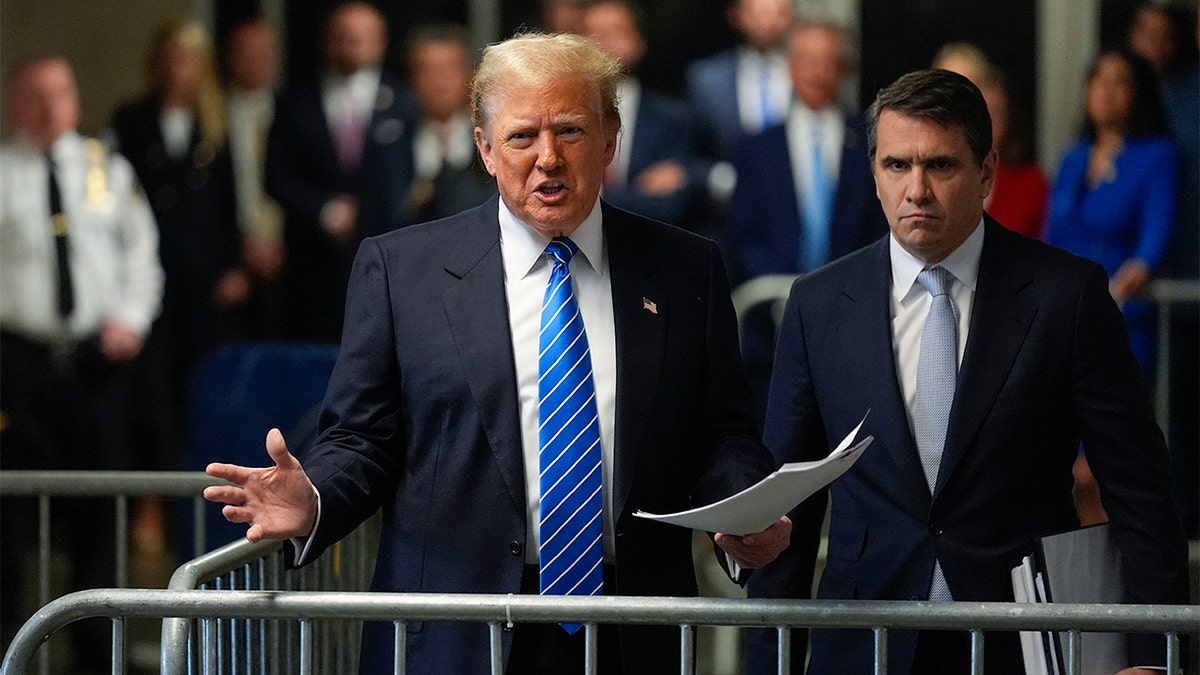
point(278, 502)
point(752, 551)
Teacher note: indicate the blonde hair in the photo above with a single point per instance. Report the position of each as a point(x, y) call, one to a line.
point(209, 104)
point(539, 59)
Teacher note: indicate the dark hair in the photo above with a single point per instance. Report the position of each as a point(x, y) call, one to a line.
point(940, 96)
point(1147, 115)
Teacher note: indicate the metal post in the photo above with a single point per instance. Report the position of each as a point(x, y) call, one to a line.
point(687, 649)
point(400, 647)
point(1074, 658)
point(784, 658)
point(497, 647)
point(306, 647)
point(977, 652)
point(591, 648)
point(881, 655)
point(122, 539)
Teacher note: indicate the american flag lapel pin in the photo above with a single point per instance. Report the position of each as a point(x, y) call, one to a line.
point(649, 305)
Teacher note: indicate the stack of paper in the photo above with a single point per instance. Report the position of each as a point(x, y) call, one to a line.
point(1080, 566)
point(758, 506)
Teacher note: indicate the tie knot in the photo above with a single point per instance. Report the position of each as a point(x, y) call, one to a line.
point(562, 249)
point(936, 280)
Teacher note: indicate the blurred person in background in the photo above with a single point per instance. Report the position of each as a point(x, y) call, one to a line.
point(80, 284)
point(1113, 202)
point(741, 91)
point(562, 16)
point(175, 137)
point(1113, 199)
point(448, 177)
point(1020, 192)
point(252, 66)
point(1166, 35)
point(339, 148)
point(649, 173)
point(804, 193)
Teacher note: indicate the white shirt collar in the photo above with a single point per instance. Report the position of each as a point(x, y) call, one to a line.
point(963, 263)
point(522, 247)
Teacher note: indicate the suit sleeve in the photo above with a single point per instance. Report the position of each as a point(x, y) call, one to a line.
point(1128, 456)
point(355, 461)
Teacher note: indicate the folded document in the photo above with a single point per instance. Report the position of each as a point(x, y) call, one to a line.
point(758, 506)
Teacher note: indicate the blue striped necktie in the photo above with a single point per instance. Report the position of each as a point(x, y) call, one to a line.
point(937, 369)
point(571, 553)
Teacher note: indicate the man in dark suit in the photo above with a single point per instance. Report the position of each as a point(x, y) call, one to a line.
point(739, 92)
point(649, 174)
point(434, 410)
point(338, 149)
point(804, 187)
point(968, 468)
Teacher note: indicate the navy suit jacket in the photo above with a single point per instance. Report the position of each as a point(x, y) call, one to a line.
point(762, 225)
point(1047, 365)
point(303, 174)
point(712, 97)
point(421, 420)
point(662, 131)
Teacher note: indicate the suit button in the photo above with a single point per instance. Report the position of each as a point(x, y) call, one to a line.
point(937, 531)
point(515, 547)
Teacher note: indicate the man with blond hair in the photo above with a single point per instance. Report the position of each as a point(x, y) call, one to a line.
point(544, 333)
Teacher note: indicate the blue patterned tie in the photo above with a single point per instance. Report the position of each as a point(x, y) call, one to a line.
point(937, 369)
point(571, 553)
point(815, 203)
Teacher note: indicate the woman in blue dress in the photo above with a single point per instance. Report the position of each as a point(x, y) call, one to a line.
point(1113, 200)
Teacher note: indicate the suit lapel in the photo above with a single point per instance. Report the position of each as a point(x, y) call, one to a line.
point(1000, 319)
point(477, 311)
point(865, 319)
point(640, 341)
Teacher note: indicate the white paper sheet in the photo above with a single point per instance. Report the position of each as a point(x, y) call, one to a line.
point(758, 506)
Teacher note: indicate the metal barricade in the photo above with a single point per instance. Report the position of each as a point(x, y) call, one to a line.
point(497, 611)
point(219, 644)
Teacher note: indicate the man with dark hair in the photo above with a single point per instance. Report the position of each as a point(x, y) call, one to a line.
point(985, 359)
point(339, 148)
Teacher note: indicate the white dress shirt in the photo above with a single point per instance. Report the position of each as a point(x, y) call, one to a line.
point(910, 305)
point(111, 235)
point(750, 66)
point(526, 273)
point(438, 145)
point(350, 99)
point(802, 126)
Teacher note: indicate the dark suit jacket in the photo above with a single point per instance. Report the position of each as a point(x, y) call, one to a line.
point(1047, 365)
point(762, 226)
point(421, 419)
point(303, 174)
point(662, 131)
point(713, 100)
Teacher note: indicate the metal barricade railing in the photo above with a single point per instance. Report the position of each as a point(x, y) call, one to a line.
point(213, 645)
point(119, 486)
point(497, 611)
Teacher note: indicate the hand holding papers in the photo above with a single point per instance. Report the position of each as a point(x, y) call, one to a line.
point(758, 506)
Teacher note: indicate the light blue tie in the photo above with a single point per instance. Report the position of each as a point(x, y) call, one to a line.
point(937, 369)
point(571, 553)
point(764, 92)
point(816, 202)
